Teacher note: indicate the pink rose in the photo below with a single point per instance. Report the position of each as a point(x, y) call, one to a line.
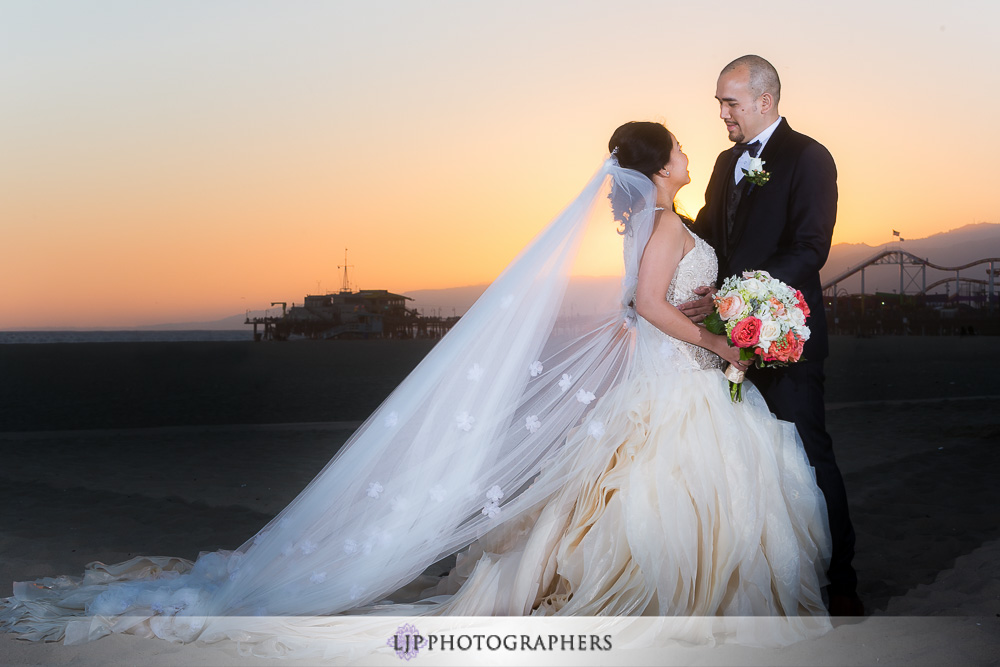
point(768, 354)
point(797, 346)
point(802, 303)
point(777, 307)
point(746, 333)
point(729, 306)
point(787, 349)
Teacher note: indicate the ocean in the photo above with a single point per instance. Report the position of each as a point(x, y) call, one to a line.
point(142, 336)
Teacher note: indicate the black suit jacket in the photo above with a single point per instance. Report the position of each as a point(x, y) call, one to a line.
point(785, 226)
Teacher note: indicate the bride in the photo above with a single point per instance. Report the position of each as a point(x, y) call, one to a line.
point(602, 473)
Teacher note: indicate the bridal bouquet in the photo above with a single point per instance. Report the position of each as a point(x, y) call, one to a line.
point(763, 317)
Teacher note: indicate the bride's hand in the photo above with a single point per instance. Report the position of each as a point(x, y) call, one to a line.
point(730, 353)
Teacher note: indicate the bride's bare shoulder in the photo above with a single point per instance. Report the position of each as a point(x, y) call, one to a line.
point(669, 227)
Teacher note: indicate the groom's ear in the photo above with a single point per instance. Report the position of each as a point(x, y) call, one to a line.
point(766, 102)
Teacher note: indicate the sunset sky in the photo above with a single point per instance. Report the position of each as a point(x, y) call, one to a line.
point(188, 160)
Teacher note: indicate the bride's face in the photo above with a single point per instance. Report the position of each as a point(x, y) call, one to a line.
point(677, 168)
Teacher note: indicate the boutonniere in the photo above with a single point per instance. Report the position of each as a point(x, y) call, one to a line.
point(756, 173)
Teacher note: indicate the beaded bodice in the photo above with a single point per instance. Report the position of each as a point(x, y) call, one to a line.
point(696, 269)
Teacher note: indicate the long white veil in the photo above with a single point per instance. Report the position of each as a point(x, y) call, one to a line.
point(456, 450)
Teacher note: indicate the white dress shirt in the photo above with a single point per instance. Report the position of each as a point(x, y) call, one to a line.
point(744, 161)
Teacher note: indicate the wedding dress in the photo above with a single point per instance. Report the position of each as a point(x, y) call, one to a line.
point(704, 507)
point(603, 474)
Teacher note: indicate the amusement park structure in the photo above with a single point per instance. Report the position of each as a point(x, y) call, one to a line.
point(913, 275)
point(968, 304)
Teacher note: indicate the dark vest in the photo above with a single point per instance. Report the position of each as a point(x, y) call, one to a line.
point(734, 193)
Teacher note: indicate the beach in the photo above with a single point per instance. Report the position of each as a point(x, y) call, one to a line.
point(119, 449)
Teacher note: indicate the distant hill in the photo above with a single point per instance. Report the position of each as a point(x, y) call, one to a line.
point(585, 295)
point(449, 301)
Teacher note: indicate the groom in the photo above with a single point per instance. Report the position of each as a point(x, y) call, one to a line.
point(784, 225)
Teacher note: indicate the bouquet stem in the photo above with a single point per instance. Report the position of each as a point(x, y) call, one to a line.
point(735, 377)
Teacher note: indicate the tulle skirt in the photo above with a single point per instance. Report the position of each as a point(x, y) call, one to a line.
point(705, 507)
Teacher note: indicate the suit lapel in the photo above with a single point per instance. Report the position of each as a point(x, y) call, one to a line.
point(773, 147)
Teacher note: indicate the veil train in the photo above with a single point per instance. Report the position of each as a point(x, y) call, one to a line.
point(472, 439)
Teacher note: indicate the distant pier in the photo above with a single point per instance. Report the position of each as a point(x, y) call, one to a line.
point(365, 314)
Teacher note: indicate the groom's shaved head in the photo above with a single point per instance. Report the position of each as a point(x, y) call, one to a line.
point(747, 92)
point(763, 76)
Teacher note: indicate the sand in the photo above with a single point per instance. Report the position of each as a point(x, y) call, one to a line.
point(94, 473)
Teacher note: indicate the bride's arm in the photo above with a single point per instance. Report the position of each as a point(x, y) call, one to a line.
point(659, 261)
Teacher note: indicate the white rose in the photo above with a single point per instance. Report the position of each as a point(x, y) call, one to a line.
point(770, 331)
point(756, 164)
point(796, 315)
point(754, 288)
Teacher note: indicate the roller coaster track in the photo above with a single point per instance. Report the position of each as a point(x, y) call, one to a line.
point(903, 258)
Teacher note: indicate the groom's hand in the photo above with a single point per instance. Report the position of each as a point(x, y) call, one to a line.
point(697, 310)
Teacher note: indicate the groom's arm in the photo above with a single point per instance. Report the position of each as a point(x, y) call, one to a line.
point(812, 212)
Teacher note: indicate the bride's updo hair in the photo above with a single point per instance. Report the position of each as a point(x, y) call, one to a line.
point(642, 146)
